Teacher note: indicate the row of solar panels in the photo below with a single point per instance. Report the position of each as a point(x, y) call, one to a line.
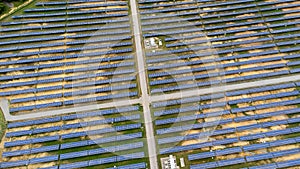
point(221, 32)
point(188, 100)
point(253, 158)
point(266, 97)
point(98, 151)
point(191, 117)
point(130, 166)
point(250, 6)
point(76, 144)
point(72, 135)
point(31, 40)
point(218, 59)
point(188, 43)
point(89, 47)
point(215, 82)
point(57, 87)
point(49, 3)
point(283, 164)
point(75, 42)
point(141, 165)
point(208, 5)
point(64, 19)
point(254, 16)
point(72, 126)
point(75, 70)
point(212, 10)
point(65, 30)
point(94, 162)
point(72, 116)
point(166, 4)
point(56, 51)
point(151, 1)
point(75, 101)
point(230, 140)
point(69, 13)
point(116, 32)
point(194, 49)
point(233, 93)
point(17, 84)
point(218, 114)
point(120, 38)
point(262, 89)
point(261, 3)
point(188, 108)
point(99, 82)
point(216, 9)
point(225, 121)
point(8, 49)
point(92, 75)
point(228, 130)
point(214, 67)
point(113, 159)
point(229, 14)
point(34, 82)
point(41, 27)
point(51, 58)
point(244, 100)
point(178, 14)
point(246, 148)
point(56, 58)
point(101, 131)
point(210, 67)
point(229, 93)
point(220, 104)
point(207, 28)
point(167, 10)
point(75, 7)
point(170, 21)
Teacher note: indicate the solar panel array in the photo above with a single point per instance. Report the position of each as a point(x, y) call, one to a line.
point(98, 138)
point(55, 54)
point(60, 53)
point(243, 127)
point(208, 43)
point(215, 42)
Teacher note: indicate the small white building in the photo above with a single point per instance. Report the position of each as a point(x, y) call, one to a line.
point(182, 164)
point(169, 162)
point(152, 42)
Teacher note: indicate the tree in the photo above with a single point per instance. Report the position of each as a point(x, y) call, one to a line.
point(2, 7)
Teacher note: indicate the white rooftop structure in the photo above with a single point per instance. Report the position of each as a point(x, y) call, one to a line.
point(169, 162)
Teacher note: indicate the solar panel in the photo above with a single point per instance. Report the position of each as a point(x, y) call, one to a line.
point(43, 159)
point(231, 162)
point(52, 167)
point(74, 165)
point(285, 152)
point(256, 146)
point(14, 163)
point(15, 153)
point(289, 163)
point(266, 166)
point(205, 165)
point(228, 151)
point(201, 155)
point(130, 166)
point(44, 149)
point(74, 154)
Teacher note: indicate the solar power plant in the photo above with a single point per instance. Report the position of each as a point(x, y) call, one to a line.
point(117, 84)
